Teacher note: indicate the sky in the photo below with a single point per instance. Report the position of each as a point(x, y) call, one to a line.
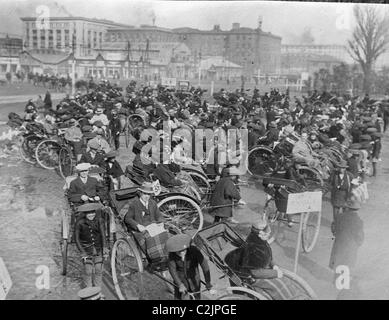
point(326, 23)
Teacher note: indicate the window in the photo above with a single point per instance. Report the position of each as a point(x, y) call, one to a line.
point(3, 68)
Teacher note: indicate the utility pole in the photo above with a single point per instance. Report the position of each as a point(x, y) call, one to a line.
point(199, 69)
point(73, 65)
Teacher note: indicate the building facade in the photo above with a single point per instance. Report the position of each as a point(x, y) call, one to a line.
point(62, 33)
point(10, 49)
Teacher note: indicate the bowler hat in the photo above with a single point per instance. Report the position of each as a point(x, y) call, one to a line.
point(178, 243)
point(98, 124)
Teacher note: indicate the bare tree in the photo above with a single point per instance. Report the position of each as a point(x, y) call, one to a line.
point(369, 40)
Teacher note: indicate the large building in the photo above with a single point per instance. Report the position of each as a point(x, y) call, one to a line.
point(10, 48)
point(62, 33)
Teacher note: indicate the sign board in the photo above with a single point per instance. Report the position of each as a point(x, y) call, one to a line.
point(168, 82)
point(184, 85)
point(304, 202)
point(5, 280)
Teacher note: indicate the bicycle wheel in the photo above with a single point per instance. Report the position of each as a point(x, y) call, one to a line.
point(311, 228)
point(127, 270)
point(47, 154)
point(66, 162)
point(182, 212)
point(27, 148)
point(234, 297)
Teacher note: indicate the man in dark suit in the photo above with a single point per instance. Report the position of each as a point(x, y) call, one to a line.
point(142, 210)
point(223, 197)
point(93, 157)
point(85, 188)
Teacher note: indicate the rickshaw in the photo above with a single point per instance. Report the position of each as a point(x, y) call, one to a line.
point(129, 260)
point(69, 218)
point(217, 242)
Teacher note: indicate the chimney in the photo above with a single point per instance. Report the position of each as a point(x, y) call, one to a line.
point(260, 22)
point(235, 25)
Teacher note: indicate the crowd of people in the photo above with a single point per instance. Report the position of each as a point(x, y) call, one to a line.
point(94, 122)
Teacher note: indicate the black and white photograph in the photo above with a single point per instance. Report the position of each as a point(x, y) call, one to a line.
point(194, 150)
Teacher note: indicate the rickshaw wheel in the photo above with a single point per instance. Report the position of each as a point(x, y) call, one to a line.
point(312, 177)
point(65, 162)
point(64, 251)
point(234, 297)
point(301, 284)
point(311, 228)
point(27, 148)
point(47, 154)
point(182, 212)
point(202, 183)
point(127, 270)
point(261, 161)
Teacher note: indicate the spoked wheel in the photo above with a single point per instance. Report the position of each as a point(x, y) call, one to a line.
point(127, 270)
point(311, 228)
point(312, 178)
point(272, 215)
point(301, 289)
point(234, 297)
point(47, 154)
point(66, 162)
point(182, 212)
point(261, 161)
point(27, 148)
point(202, 182)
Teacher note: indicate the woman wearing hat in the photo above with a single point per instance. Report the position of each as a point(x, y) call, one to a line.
point(85, 188)
point(184, 262)
point(91, 242)
point(100, 140)
point(340, 189)
point(74, 136)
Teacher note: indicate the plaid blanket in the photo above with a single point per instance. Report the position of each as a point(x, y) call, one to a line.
point(153, 247)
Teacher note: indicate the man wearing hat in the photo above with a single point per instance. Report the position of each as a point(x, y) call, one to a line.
point(94, 156)
point(349, 236)
point(85, 188)
point(184, 262)
point(340, 189)
point(142, 210)
point(115, 128)
point(90, 240)
point(113, 170)
point(223, 197)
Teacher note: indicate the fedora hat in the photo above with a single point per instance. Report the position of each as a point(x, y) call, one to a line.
point(146, 187)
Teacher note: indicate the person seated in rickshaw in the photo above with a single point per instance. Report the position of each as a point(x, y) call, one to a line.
point(100, 140)
point(142, 212)
point(90, 240)
point(184, 262)
point(142, 164)
point(85, 188)
point(272, 134)
point(254, 261)
point(73, 135)
point(113, 170)
point(303, 152)
point(94, 156)
point(100, 116)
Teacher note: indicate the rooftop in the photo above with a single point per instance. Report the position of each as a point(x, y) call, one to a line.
point(93, 20)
